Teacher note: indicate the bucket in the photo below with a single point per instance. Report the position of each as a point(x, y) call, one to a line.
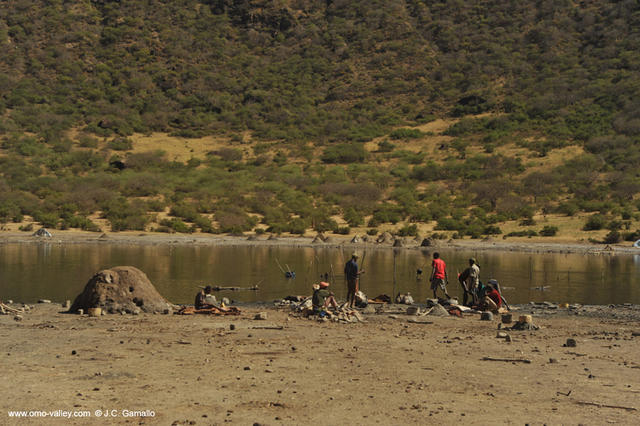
point(413, 310)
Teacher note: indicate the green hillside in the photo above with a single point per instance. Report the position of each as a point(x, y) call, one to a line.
point(457, 117)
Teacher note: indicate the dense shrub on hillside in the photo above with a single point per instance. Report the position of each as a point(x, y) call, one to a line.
point(344, 153)
point(594, 223)
point(549, 231)
point(405, 133)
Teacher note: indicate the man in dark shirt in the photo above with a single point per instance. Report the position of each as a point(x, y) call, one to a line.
point(352, 275)
point(200, 302)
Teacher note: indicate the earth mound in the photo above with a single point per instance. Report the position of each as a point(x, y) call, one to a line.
point(120, 289)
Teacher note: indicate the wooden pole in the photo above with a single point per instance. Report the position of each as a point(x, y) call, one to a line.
point(393, 295)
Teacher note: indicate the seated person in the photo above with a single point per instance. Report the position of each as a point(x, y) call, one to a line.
point(322, 298)
point(201, 298)
point(208, 297)
point(492, 300)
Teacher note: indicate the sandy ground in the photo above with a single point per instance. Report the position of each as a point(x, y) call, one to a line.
point(197, 370)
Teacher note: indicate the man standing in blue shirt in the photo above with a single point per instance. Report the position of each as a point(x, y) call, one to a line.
point(352, 275)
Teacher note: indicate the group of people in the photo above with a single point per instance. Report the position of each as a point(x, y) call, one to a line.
point(485, 297)
point(475, 293)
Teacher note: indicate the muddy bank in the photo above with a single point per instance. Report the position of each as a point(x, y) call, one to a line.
point(131, 238)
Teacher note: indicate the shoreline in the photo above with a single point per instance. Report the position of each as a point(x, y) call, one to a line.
point(130, 238)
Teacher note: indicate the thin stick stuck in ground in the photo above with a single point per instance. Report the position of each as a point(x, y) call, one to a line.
point(488, 358)
point(597, 404)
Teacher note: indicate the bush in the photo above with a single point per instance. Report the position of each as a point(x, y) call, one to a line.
point(372, 231)
point(613, 237)
point(569, 208)
point(549, 231)
point(594, 223)
point(386, 146)
point(344, 153)
point(26, 228)
point(491, 230)
point(47, 220)
point(230, 154)
point(632, 236)
point(352, 217)
point(406, 133)
point(234, 220)
point(408, 230)
point(121, 144)
point(132, 222)
point(449, 224)
point(528, 233)
point(204, 223)
point(344, 230)
point(177, 225)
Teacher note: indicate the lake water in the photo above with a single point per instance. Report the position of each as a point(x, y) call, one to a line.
point(58, 272)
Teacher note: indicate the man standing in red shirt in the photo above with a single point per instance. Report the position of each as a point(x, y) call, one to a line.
point(439, 275)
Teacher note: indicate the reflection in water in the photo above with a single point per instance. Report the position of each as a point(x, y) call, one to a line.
point(59, 272)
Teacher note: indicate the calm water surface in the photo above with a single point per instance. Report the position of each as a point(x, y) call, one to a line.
point(29, 272)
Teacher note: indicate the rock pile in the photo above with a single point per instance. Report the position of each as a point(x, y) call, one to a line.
point(123, 289)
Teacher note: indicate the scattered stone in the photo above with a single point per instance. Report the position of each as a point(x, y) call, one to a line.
point(525, 319)
point(369, 309)
point(73, 352)
point(507, 318)
point(508, 339)
point(501, 335)
point(232, 326)
point(247, 368)
point(439, 311)
point(17, 318)
point(553, 360)
point(486, 316)
point(94, 312)
point(260, 316)
point(42, 232)
point(427, 242)
point(571, 343)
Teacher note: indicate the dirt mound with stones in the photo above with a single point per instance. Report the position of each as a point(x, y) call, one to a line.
point(120, 289)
